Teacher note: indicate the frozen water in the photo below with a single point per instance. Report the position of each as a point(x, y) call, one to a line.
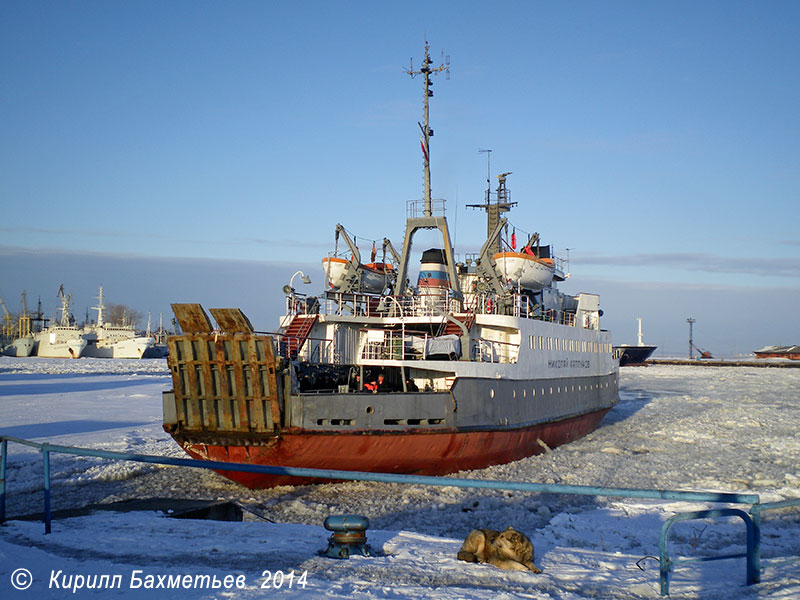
point(693, 428)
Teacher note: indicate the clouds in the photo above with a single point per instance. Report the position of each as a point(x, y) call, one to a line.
point(148, 284)
point(705, 262)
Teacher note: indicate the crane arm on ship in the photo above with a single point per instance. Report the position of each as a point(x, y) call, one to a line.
point(341, 231)
point(388, 245)
point(486, 264)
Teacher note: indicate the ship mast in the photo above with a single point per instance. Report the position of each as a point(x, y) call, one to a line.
point(426, 133)
point(428, 220)
point(494, 210)
point(99, 308)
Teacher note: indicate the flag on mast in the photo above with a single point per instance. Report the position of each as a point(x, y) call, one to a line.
point(422, 141)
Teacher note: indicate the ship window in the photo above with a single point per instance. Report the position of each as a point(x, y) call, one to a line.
point(533, 392)
point(524, 393)
point(370, 410)
point(212, 352)
point(195, 350)
point(491, 393)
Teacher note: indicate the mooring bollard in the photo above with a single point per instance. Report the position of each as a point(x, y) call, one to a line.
point(349, 536)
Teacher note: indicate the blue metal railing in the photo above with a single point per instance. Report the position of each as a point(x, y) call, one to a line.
point(752, 521)
point(666, 564)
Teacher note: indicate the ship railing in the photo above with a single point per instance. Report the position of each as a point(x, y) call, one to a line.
point(432, 305)
point(522, 307)
point(313, 350)
point(372, 305)
point(365, 305)
point(416, 208)
point(494, 351)
point(383, 344)
point(300, 304)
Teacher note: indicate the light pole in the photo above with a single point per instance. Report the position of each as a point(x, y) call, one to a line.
point(306, 279)
point(290, 293)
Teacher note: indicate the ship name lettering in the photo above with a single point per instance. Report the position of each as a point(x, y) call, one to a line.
point(564, 363)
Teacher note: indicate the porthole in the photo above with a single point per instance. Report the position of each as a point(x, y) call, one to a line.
point(370, 410)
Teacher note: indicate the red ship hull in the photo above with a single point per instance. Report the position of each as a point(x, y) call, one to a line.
point(423, 453)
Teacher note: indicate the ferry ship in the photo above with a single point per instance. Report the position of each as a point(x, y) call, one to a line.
point(484, 361)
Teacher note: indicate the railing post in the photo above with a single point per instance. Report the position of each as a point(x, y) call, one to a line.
point(755, 515)
point(3, 453)
point(666, 564)
point(47, 515)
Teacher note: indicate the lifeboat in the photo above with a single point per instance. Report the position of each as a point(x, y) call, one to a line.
point(374, 277)
point(527, 270)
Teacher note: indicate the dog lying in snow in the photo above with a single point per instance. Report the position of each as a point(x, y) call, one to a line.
point(511, 549)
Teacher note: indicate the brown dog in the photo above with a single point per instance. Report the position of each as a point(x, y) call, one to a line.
point(511, 549)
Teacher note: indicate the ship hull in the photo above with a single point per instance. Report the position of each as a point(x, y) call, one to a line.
point(634, 356)
point(134, 348)
point(59, 342)
point(418, 452)
point(20, 347)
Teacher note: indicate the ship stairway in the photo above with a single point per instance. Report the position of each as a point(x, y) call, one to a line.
point(451, 328)
point(296, 334)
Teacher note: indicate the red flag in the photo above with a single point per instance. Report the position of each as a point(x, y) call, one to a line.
point(514, 241)
point(422, 145)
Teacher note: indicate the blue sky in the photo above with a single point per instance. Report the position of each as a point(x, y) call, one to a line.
point(659, 141)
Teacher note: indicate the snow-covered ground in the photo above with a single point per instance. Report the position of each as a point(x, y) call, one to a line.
point(676, 427)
